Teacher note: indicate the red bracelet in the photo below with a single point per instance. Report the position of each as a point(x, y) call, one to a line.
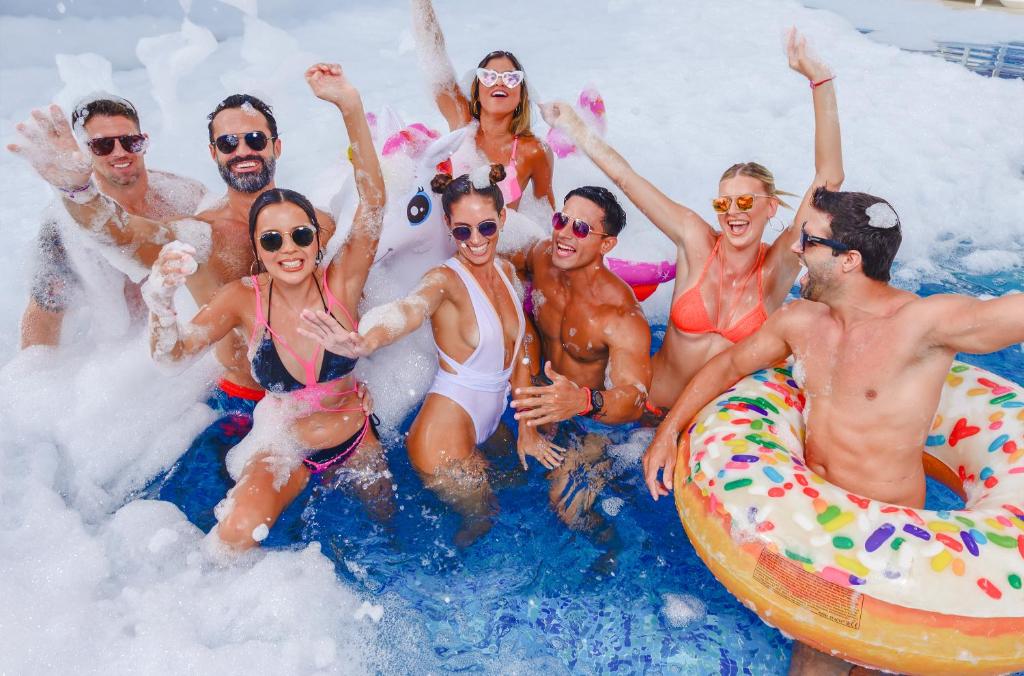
point(815, 85)
point(590, 405)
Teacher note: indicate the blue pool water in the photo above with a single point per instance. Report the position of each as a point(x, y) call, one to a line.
point(528, 597)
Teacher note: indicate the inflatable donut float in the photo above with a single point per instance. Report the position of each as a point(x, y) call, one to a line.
point(884, 586)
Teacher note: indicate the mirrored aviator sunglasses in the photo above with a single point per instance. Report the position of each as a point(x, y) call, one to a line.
point(744, 202)
point(462, 233)
point(489, 78)
point(228, 143)
point(580, 229)
point(104, 145)
point(272, 240)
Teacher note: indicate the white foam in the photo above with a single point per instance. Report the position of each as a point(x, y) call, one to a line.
point(682, 609)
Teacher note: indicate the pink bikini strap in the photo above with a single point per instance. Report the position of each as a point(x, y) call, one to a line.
point(331, 300)
point(515, 144)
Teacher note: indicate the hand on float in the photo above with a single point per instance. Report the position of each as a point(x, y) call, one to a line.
point(176, 261)
point(532, 443)
point(560, 115)
point(802, 62)
point(326, 330)
point(660, 455)
point(328, 82)
point(560, 400)
point(49, 145)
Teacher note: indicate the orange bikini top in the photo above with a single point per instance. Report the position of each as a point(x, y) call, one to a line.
point(690, 316)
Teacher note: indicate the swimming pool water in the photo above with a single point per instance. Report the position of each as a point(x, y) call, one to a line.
point(528, 596)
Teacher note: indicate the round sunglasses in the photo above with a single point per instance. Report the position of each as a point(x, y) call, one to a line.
point(228, 143)
point(463, 232)
point(579, 228)
point(104, 145)
point(489, 78)
point(272, 240)
point(744, 202)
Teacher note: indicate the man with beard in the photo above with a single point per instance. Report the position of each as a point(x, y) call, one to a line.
point(68, 265)
point(595, 348)
point(871, 359)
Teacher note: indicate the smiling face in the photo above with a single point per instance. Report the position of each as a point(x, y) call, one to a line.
point(120, 167)
point(569, 252)
point(745, 228)
point(244, 169)
point(499, 99)
point(822, 268)
point(471, 211)
point(291, 263)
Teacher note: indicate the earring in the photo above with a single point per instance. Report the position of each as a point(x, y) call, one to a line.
point(319, 256)
point(255, 268)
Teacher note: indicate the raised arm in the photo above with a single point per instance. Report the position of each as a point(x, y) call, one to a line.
point(328, 82)
point(169, 341)
point(433, 58)
point(49, 145)
point(760, 350)
point(975, 326)
point(681, 224)
point(828, 157)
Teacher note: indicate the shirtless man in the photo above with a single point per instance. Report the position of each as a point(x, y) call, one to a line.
point(109, 126)
point(870, 358)
point(245, 145)
point(595, 344)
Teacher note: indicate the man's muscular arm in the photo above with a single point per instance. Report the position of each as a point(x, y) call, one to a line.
point(760, 350)
point(976, 326)
point(629, 368)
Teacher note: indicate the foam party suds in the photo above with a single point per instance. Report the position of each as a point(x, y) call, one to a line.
point(97, 576)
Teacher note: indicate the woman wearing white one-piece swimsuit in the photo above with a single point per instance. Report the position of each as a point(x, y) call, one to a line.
point(478, 325)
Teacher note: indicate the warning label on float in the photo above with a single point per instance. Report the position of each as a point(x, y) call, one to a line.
point(823, 598)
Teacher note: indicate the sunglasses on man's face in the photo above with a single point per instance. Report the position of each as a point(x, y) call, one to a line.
point(272, 240)
point(462, 233)
point(806, 239)
point(104, 145)
point(228, 143)
point(744, 202)
point(489, 78)
point(579, 228)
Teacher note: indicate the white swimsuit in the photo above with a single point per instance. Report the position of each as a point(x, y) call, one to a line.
point(480, 384)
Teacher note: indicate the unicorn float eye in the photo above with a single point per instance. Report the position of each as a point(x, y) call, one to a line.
point(418, 209)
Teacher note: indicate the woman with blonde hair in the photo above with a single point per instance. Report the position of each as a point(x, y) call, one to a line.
point(727, 280)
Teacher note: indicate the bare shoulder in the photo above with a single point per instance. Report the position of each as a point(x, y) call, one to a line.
point(532, 149)
point(798, 314)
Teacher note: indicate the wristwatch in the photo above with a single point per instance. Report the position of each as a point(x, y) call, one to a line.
point(596, 403)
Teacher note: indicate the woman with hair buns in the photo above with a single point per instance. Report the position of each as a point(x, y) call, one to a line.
point(727, 280)
point(478, 325)
point(499, 102)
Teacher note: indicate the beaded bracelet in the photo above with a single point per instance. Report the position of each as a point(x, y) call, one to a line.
point(81, 194)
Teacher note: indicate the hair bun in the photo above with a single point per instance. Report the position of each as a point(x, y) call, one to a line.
point(440, 182)
point(497, 174)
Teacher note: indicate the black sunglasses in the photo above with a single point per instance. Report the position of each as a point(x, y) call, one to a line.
point(806, 239)
point(272, 240)
point(485, 228)
point(104, 145)
point(579, 228)
point(228, 143)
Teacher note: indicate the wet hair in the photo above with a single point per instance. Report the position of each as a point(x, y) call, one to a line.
point(761, 173)
point(238, 101)
point(453, 190)
point(520, 125)
point(280, 196)
point(112, 107)
point(614, 219)
point(851, 225)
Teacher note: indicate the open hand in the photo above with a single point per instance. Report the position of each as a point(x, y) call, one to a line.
point(660, 455)
point(49, 145)
point(560, 400)
point(802, 62)
point(531, 442)
point(328, 82)
point(325, 329)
